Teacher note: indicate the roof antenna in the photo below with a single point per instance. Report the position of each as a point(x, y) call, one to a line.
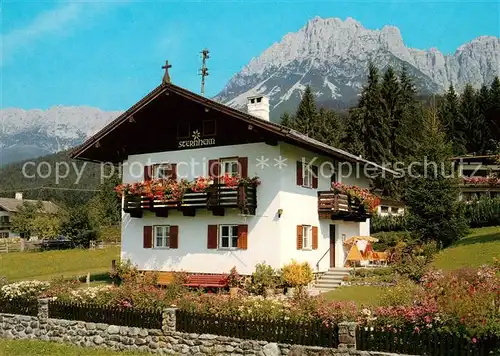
point(204, 69)
point(166, 76)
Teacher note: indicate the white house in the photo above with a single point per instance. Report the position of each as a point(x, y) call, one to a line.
point(480, 176)
point(391, 207)
point(291, 214)
point(9, 207)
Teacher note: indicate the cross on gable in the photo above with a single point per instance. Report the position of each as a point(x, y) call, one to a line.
point(166, 76)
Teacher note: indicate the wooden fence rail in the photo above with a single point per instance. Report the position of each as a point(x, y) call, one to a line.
point(143, 318)
point(283, 331)
point(425, 343)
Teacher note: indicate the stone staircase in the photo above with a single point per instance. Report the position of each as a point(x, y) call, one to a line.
point(331, 279)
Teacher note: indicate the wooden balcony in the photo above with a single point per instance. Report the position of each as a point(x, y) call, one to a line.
point(5, 225)
point(340, 207)
point(216, 198)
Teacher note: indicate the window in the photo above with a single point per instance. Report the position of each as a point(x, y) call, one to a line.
point(4, 219)
point(307, 176)
point(4, 235)
point(306, 237)
point(183, 130)
point(384, 209)
point(230, 167)
point(209, 128)
point(162, 236)
point(162, 171)
point(394, 210)
point(228, 235)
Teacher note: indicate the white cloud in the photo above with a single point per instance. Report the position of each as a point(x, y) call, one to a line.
point(55, 22)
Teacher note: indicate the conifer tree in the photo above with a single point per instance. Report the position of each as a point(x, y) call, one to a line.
point(286, 120)
point(329, 127)
point(376, 129)
point(482, 104)
point(432, 194)
point(352, 140)
point(450, 118)
point(472, 125)
point(306, 116)
point(493, 114)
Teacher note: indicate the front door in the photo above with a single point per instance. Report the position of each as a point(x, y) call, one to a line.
point(332, 246)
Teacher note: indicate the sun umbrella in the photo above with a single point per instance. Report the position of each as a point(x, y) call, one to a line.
point(353, 239)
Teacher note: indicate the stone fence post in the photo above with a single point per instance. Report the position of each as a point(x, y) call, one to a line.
point(347, 335)
point(169, 320)
point(43, 308)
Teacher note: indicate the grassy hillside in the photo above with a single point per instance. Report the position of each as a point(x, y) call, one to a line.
point(53, 264)
point(478, 248)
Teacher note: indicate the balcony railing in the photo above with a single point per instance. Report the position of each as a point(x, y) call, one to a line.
point(216, 198)
point(5, 225)
point(336, 206)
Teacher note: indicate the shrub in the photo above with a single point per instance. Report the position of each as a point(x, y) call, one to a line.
point(388, 240)
point(297, 274)
point(405, 292)
point(412, 260)
point(263, 278)
point(24, 289)
point(234, 279)
point(483, 212)
point(388, 223)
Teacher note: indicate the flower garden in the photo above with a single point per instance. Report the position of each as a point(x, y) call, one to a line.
point(465, 302)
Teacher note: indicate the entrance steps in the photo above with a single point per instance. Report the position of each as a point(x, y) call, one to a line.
point(331, 279)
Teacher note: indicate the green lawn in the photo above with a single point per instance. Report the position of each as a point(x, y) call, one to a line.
point(478, 248)
point(361, 295)
point(44, 348)
point(53, 264)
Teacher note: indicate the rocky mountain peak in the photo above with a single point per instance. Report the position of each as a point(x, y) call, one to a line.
point(332, 56)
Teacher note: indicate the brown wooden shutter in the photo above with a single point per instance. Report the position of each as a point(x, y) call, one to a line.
point(173, 171)
point(314, 176)
point(212, 237)
point(214, 169)
point(243, 163)
point(300, 237)
point(147, 173)
point(243, 237)
point(147, 241)
point(315, 237)
point(300, 178)
point(174, 236)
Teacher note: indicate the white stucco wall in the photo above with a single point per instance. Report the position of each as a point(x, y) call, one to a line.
point(300, 207)
point(270, 239)
point(192, 254)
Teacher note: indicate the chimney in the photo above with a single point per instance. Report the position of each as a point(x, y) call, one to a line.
point(19, 196)
point(258, 106)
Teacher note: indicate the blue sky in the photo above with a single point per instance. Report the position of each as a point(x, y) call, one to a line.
point(108, 54)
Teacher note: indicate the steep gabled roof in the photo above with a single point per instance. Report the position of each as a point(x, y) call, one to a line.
point(12, 205)
point(283, 133)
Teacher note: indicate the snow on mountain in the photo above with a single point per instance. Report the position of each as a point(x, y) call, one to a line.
point(332, 56)
point(329, 54)
point(32, 133)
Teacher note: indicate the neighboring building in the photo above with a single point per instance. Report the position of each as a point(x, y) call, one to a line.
point(9, 207)
point(389, 207)
point(480, 176)
point(292, 214)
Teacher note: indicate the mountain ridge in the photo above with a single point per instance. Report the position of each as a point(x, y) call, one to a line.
point(339, 52)
point(331, 55)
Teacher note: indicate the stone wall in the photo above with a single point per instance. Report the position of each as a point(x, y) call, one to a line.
point(164, 341)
